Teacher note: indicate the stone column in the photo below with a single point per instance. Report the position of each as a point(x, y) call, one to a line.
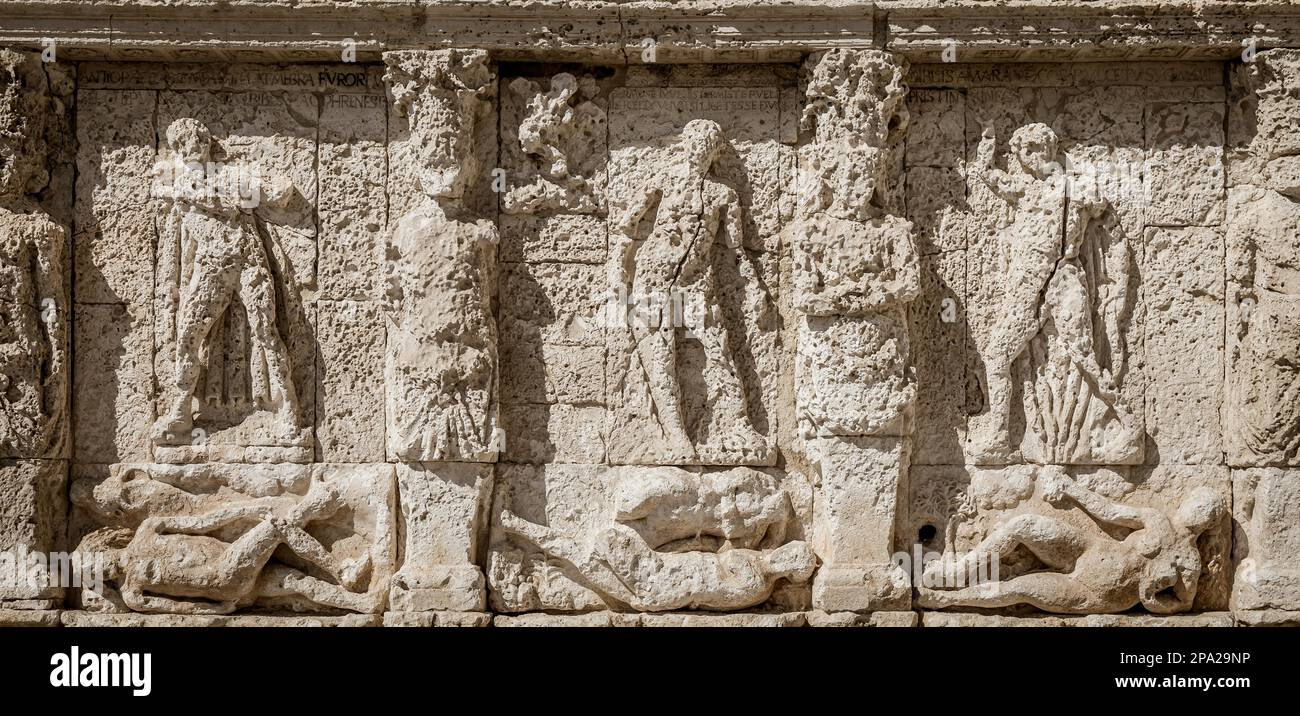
point(33, 337)
point(855, 269)
point(1261, 416)
point(441, 369)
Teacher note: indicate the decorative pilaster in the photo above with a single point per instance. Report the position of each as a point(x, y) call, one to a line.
point(855, 269)
point(441, 369)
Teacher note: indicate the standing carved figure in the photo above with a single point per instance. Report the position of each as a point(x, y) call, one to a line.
point(1056, 281)
point(1262, 415)
point(1265, 387)
point(669, 275)
point(224, 263)
point(441, 258)
point(33, 361)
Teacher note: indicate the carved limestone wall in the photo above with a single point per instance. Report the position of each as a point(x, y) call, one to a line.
point(651, 314)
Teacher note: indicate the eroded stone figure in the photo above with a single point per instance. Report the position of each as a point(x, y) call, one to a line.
point(555, 146)
point(855, 268)
point(1154, 562)
point(441, 269)
point(854, 258)
point(212, 542)
point(33, 298)
point(1064, 301)
point(1262, 416)
point(548, 115)
point(683, 540)
point(667, 273)
point(224, 265)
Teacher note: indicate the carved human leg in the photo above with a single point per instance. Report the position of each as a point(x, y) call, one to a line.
point(1051, 592)
point(257, 292)
point(203, 302)
point(721, 369)
point(656, 353)
point(1055, 543)
point(1018, 324)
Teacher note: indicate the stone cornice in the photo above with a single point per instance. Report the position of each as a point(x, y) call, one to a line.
point(603, 31)
point(1103, 29)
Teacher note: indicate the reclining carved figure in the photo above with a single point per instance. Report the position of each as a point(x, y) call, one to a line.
point(1157, 564)
point(213, 562)
point(683, 540)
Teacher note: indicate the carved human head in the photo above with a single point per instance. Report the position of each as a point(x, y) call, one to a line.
point(855, 93)
point(24, 102)
point(857, 114)
point(564, 85)
point(190, 139)
point(1201, 510)
point(703, 141)
point(125, 499)
point(111, 544)
point(1035, 147)
point(442, 93)
point(1169, 577)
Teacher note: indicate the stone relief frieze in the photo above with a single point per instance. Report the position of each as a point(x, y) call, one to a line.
point(441, 334)
point(1064, 307)
point(1038, 536)
point(218, 279)
point(692, 335)
point(645, 539)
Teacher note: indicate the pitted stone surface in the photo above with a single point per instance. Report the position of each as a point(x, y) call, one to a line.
point(740, 326)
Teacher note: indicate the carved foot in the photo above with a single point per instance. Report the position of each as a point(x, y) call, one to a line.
point(354, 573)
point(173, 427)
point(996, 452)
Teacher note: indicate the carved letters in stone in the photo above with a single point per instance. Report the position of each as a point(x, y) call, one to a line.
point(632, 343)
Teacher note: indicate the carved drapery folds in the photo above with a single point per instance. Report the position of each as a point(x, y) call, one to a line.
point(441, 369)
point(1263, 414)
point(855, 261)
point(442, 353)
